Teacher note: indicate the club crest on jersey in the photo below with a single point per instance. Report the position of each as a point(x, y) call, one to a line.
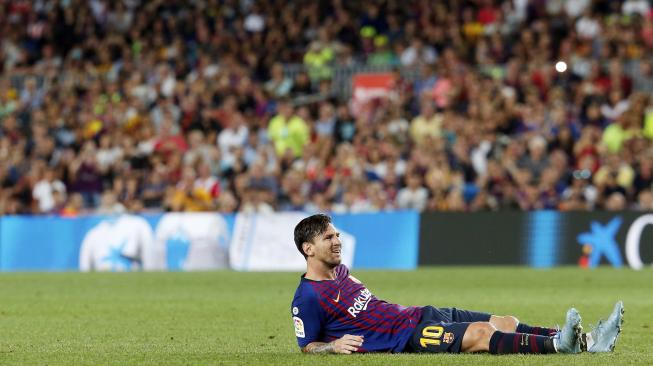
point(360, 303)
point(447, 337)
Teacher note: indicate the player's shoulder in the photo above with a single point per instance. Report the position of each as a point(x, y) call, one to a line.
point(342, 271)
point(305, 293)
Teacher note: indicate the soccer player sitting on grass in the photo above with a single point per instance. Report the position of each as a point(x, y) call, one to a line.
point(333, 312)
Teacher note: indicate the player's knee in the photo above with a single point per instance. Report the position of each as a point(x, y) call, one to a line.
point(512, 321)
point(481, 332)
point(477, 337)
point(506, 323)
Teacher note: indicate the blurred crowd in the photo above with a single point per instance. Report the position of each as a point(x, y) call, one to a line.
point(134, 105)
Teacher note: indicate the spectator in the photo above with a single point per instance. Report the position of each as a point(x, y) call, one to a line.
point(418, 54)
point(227, 203)
point(320, 56)
point(279, 85)
point(325, 125)
point(643, 78)
point(85, 174)
point(74, 207)
point(644, 201)
point(233, 136)
point(46, 189)
point(639, 7)
point(536, 160)
point(616, 134)
point(205, 181)
point(425, 128)
point(153, 190)
point(198, 148)
point(112, 102)
point(301, 86)
point(614, 176)
point(109, 204)
point(414, 195)
point(615, 105)
point(254, 201)
point(187, 196)
point(615, 202)
point(288, 131)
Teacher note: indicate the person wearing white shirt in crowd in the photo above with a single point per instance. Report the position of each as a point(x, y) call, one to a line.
point(615, 106)
point(588, 26)
point(414, 195)
point(234, 135)
point(198, 149)
point(108, 153)
point(254, 21)
point(641, 7)
point(418, 54)
point(574, 8)
point(43, 191)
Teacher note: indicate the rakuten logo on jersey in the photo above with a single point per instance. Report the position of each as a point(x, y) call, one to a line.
point(360, 303)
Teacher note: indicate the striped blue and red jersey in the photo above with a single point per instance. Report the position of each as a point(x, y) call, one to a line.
point(323, 311)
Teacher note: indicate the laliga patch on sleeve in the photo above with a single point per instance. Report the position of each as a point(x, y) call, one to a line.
point(299, 327)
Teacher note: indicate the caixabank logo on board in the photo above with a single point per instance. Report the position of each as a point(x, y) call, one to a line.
point(617, 238)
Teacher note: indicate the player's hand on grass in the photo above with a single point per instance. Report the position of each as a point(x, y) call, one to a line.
point(347, 344)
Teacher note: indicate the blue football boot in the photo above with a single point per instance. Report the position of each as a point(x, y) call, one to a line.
point(604, 336)
point(567, 340)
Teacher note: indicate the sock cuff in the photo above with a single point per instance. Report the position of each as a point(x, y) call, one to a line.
point(550, 345)
point(521, 328)
point(494, 342)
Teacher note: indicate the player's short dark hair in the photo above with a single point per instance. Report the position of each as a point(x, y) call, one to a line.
point(309, 228)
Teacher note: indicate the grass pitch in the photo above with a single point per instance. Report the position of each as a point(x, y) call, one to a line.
point(243, 318)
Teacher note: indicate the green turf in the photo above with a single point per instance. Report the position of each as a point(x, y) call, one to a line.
point(243, 318)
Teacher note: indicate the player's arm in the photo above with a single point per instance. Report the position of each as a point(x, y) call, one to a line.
point(345, 345)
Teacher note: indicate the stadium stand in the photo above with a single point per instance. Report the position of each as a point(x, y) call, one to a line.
point(148, 106)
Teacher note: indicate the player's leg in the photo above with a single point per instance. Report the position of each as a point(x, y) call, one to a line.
point(477, 337)
point(506, 324)
point(483, 336)
point(511, 324)
point(437, 337)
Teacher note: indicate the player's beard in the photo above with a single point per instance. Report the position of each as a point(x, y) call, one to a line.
point(332, 263)
point(336, 261)
point(333, 258)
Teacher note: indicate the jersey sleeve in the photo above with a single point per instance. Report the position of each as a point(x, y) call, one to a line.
point(308, 318)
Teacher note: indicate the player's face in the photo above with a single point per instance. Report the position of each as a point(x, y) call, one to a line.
point(327, 247)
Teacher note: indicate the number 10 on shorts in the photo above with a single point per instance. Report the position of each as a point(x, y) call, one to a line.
point(431, 336)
